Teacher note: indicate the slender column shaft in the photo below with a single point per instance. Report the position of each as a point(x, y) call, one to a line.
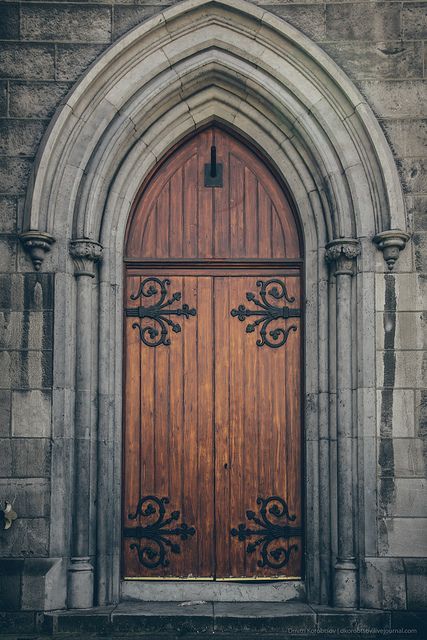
point(80, 576)
point(342, 254)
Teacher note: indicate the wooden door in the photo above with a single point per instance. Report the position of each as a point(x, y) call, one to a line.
point(212, 370)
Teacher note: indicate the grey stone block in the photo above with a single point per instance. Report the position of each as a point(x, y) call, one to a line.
point(10, 587)
point(5, 401)
point(8, 214)
point(127, 17)
point(14, 174)
point(9, 21)
point(414, 20)
point(44, 584)
point(262, 617)
point(35, 99)
point(38, 291)
point(417, 211)
point(400, 537)
point(25, 369)
point(73, 59)
point(20, 137)
point(67, 23)
point(416, 580)
point(27, 458)
point(420, 247)
point(366, 60)
point(27, 537)
point(395, 98)
point(13, 623)
point(407, 137)
point(309, 19)
point(329, 620)
point(26, 330)
point(27, 61)
point(414, 174)
point(7, 254)
point(409, 329)
point(377, 21)
point(409, 498)
point(382, 584)
point(31, 414)
point(416, 622)
point(31, 497)
point(3, 98)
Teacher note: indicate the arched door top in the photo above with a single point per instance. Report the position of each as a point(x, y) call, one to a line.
point(213, 199)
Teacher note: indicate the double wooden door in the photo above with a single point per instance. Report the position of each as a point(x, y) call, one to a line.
point(212, 368)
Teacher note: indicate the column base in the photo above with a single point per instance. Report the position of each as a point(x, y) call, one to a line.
point(80, 583)
point(345, 584)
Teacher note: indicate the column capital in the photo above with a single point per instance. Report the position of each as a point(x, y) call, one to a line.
point(85, 253)
point(341, 254)
point(37, 243)
point(391, 243)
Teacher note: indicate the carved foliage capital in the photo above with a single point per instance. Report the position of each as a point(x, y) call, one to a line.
point(391, 243)
point(85, 253)
point(37, 243)
point(341, 255)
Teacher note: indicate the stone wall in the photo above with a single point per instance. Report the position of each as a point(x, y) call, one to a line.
point(44, 49)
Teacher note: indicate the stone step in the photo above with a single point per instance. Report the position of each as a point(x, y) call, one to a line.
point(227, 621)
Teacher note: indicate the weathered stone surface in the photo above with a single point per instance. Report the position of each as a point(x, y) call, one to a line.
point(3, 98)
point(20, 137)
point(407, 137)
point(31, 497)
point(403, 537)
point(9, 21)
point(409, 498)
point(7, 254)
point(35, 99)
point(409, 370)
point(383, 584)
point(22, 622)
point(414, 174)
point(420, 249)
point(409, 459)
point(5, 402)
point(309, 19)
point(27, 537)
point(14, 173)
point(414, 20)
point(73, 59)
point(416, 580)
point(417, 211)
point(31, 414)
point(409, 329)
point(25, 369)
point(396, 413)
point(367, 60)
point(70, 23)
point(378, 21)
point(27, 61)
point(28, 457)
point(126, 17)
point(8, 214)
point(10, 589)
point(395, 98)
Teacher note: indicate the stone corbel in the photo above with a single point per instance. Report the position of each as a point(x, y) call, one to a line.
point(342, 254)
point(391, 243)
point(85, 253)
point(37, 243)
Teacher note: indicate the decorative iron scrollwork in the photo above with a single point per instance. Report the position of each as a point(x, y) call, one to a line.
point(268, 312)
point(152, 553)
point(269, 531)
point(158, 312)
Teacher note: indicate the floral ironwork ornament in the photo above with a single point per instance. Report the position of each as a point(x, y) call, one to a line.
point(160, 312)
point(269, 531)
point(7, 515)
point(268, 312)
point(157, 533)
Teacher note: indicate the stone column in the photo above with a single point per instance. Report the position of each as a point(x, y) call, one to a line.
point(85, 254)
point(341, 254)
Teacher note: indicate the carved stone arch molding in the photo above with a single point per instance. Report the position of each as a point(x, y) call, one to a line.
point(235, 63)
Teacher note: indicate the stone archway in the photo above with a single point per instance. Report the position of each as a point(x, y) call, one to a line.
point(235, 63)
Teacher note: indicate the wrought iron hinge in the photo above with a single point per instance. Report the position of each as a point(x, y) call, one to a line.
point(158, 312)
point(268, 312)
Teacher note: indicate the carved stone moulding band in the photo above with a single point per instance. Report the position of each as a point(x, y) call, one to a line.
point(85, 253)
point(391, 243)
point(341, 254)
point(37, 243)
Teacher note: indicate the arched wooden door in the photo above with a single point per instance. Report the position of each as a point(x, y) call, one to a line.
point(212, 370)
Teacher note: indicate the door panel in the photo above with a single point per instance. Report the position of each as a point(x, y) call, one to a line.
point(213, 424)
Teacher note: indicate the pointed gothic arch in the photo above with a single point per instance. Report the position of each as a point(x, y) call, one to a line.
point(202, 61)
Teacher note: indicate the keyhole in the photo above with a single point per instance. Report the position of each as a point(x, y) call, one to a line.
point(213, 161)
point(226, 465)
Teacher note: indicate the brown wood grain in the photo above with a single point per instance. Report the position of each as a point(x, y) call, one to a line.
point(212, 421)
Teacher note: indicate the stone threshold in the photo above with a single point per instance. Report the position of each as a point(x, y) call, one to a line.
point(217, 619)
